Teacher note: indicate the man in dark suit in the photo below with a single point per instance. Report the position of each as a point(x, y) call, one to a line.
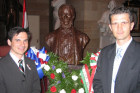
point(16, 77)
point(119, 71)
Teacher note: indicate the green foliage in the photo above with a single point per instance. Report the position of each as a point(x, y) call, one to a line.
point(86, 60)
point(63, 80)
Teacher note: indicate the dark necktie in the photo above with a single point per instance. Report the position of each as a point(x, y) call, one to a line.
point(21, 66)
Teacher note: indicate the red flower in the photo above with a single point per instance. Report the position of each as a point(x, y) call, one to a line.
point(73, 91)
point(52, 76)
point(53, 89)
point(81, 81)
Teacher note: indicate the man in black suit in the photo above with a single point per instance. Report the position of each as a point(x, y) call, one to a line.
point(13, 79)
point(119, 72)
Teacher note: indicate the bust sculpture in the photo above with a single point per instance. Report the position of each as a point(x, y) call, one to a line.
point(66, 41)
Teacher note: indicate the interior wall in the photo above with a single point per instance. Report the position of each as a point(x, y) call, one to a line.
point(34, 28)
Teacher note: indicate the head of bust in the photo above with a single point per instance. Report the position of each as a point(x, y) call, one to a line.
point(66, 15)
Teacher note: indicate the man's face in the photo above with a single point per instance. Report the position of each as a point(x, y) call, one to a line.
point(19, 44)
point(66, 18)
point(121, 26)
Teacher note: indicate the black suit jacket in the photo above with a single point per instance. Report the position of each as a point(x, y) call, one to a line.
point(13, 81)
point(128, 77)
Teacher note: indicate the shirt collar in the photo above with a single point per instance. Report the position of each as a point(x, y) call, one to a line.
point(124, 47)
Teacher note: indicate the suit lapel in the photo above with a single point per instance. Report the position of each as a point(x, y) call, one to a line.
point(28, 74)
point(13, 66)
point(111, 57)
point(27, 68)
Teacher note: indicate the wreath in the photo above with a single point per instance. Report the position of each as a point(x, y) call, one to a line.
point(61, 79)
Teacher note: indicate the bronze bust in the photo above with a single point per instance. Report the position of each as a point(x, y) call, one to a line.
point(66, 41)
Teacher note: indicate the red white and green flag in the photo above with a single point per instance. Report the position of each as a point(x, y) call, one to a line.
point(25, 19)
point(88, 77)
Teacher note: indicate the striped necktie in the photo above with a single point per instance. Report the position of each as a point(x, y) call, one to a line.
point(119, 53)
point(117, 63)
point(21, 66)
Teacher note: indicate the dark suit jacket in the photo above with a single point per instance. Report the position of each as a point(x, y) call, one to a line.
point(13, 81)
point(128, 77)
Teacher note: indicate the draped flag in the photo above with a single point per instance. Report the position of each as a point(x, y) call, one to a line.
point(85, 74)
point(40, 57)
point(25, 19)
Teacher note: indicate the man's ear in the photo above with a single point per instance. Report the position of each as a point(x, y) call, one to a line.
point(132, 25)
point(9, 42)
point(110, 27)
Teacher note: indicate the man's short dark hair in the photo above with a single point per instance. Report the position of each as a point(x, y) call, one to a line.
point(120, 10)
point(17, 30)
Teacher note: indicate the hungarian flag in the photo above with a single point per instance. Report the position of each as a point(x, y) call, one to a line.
point(25, 20)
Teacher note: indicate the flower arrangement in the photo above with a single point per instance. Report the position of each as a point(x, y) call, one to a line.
point(61, 80)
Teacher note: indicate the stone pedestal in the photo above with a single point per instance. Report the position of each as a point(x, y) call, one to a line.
point(75, 67)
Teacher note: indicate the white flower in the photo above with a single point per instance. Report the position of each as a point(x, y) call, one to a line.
point(42, 56)
point(46, 67)
point(58, 70)
point(74, 77)
point(62, 91)
point(81, 90)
